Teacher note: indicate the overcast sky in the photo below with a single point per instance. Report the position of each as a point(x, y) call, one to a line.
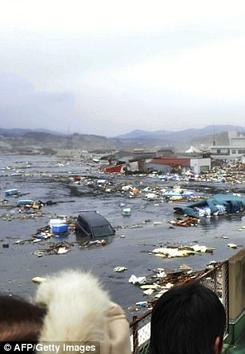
point(111, 66)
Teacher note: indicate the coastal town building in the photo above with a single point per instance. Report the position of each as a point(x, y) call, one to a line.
point(235, 149)
point(167, 164)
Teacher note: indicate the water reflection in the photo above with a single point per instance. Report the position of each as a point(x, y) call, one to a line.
point(217, 221)
point(86, 241)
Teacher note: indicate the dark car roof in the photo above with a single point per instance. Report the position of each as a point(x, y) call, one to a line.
point(93, 218)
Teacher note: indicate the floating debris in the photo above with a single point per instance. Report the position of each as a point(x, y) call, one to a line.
point(150, 286)
point(20, 242)
point(155, 286)
point(185, 267)
point(211, 265)
point(232, 245)
point(54, 248)
point(219, 204)
point(58, 221)
point(119, 269)
point(181, 251)
point(38, 280)
point(37, 240)
point(39, 253)
point(63, 250)
point(151, 196)
point(11, 192)
point(58, 229)
point(126, 211)
point(148, 292)
point(142, 303)
point(25, 202)
point(155, 223)
point(178, 194)
point(136, 280)
point(185, 222)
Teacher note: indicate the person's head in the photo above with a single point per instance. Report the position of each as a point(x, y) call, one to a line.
point(20, 320)
point(188, 319)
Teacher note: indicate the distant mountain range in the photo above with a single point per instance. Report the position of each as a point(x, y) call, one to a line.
point(181, 134)
point(21, 132)
point(26, 139)
point(182, 138)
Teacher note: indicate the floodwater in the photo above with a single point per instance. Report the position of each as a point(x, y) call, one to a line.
point(18, 264)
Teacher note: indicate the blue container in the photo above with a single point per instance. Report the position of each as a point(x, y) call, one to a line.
point(59, 228)
point(23, 202)
point(10, 192)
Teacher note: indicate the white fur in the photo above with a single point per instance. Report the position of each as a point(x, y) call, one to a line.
point(77, 307)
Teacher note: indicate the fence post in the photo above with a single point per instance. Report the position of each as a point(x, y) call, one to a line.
point(225, 291)
point(215, 276)
point(135, 334)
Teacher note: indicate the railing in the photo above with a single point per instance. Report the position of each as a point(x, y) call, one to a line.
point(217, 279)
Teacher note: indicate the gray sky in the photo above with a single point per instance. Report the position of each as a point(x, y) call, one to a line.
point(110, 66)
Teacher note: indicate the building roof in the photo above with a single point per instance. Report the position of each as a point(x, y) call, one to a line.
point(172, 161)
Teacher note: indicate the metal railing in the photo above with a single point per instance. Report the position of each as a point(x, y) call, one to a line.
point(217, 279)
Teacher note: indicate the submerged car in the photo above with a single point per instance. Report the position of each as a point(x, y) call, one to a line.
point(93, 225)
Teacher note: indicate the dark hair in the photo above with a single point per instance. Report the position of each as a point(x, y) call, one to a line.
point(19, 319)
point(186, 320)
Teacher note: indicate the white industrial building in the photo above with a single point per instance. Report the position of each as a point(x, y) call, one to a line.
point(200, 165)
point(235, 149)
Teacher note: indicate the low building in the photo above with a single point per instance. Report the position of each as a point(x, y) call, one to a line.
point(199, 165)
point(166, 164)
point(235, 149)
point(226, 151)
point(179, 164)
point(237, 139)
point(167, 151)
point(130, 162)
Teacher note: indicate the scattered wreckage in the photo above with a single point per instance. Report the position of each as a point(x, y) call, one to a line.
point(54, 248)
point(161, 280)
point(117, 186)
point(181, 251)
point(219, 204)
point(91, 227)
point(156, 191)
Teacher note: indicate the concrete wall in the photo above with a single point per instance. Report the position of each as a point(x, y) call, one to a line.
point(133, 166)
point(158, 167)
point(198, 165)
point(236, 285)
point(240, 142)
